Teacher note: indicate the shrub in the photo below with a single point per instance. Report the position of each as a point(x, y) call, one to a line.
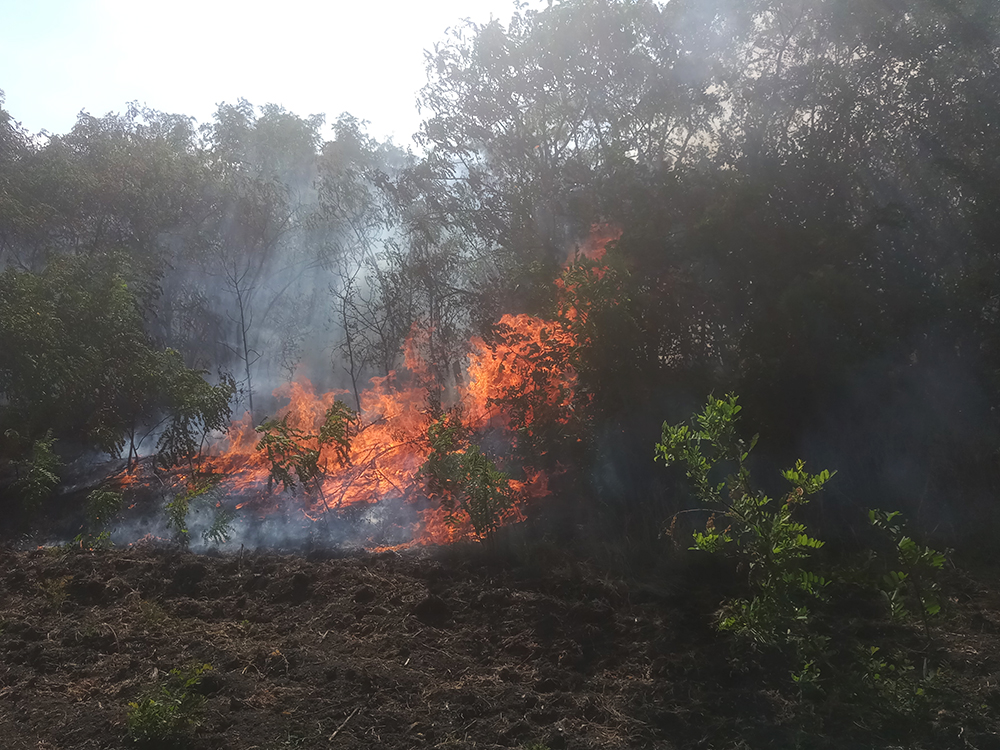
point(194, 408)
point(909, 580)
point(771, 547)
point(294, 454)
point(200, 490)
point(37, 472)
point(55, 590)
point(467, 481)
point(783, 583)
point(101, 505)
point(168, 711)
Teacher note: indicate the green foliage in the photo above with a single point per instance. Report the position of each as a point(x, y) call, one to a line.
point(101, 505)
point(783, 585)
point(287, 452)
point(177, 514)
point(467, 481)
point(37, 472)
point(335, 430)
point(82, 367)
point(165, 713)
point(201, 491)
point(607, 310)
point(485, 491)
point(760, 532)
point(893, 678)
point(195, 408)
point(150, 612)
point(914, 574)
point(294, 455)
point(55, 589)
point(177, 509)
point(77, 360)
point(442, 467)
point(221, 528)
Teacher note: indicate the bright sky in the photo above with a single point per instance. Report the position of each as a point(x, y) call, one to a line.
point(58, 57)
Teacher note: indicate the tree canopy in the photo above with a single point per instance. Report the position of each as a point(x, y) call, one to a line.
point(806, 192)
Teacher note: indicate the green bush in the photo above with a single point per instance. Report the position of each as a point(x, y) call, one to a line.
point(768, 544)
point(37, 473)
point(101, 506)
point(909, 579)
point(783, 581)
point(194, 409)
point(294, 455)
point(200, 489)
point(465, 479)
point(165, 713)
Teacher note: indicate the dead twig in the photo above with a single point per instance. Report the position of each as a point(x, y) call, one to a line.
point(343, 723)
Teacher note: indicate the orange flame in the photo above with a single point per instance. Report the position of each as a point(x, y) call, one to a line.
point(520, 379)
point(596, 243)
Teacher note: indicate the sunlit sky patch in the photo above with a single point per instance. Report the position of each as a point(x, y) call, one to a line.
point(58, 57)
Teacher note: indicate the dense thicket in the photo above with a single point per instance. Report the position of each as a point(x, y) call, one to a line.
point(808, 192)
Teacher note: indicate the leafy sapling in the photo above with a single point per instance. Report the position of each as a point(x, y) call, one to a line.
point(760, 532)
point(221, 528)
point(164, 714)
point(101, 506)
point(775, 551)
point(913, 576)
point(465, 479)
point(38, 472)
point(294, 455)
point(201, 491)
point(195, 409)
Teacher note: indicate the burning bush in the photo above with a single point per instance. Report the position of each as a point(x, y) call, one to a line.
point(465, 479)
point(520, 389)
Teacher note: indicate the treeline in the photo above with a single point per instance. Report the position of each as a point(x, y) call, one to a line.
point(809, 199)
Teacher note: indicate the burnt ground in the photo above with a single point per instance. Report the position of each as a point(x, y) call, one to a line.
point(445, 650)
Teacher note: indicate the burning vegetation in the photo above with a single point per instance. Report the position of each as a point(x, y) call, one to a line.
point(264, 334)
point(413, 441)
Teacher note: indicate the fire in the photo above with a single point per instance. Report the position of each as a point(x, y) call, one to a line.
point(527, 366)
point(387, 448)
point(584, 267)
point(520, 379)
point(596, 243)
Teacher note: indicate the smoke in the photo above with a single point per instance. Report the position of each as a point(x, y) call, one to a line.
point(285, 527)
point(293, 226)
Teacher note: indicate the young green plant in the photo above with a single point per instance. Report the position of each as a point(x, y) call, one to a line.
point(465, 479)
point(759, 531)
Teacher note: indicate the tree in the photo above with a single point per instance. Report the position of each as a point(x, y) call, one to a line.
point(262, 169)
point(15, 147)
point(78, 357)
point(194, 409)
point(82, 369)
point(355, 211)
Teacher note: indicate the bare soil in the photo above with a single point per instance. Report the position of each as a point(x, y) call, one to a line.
point(439, 650)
